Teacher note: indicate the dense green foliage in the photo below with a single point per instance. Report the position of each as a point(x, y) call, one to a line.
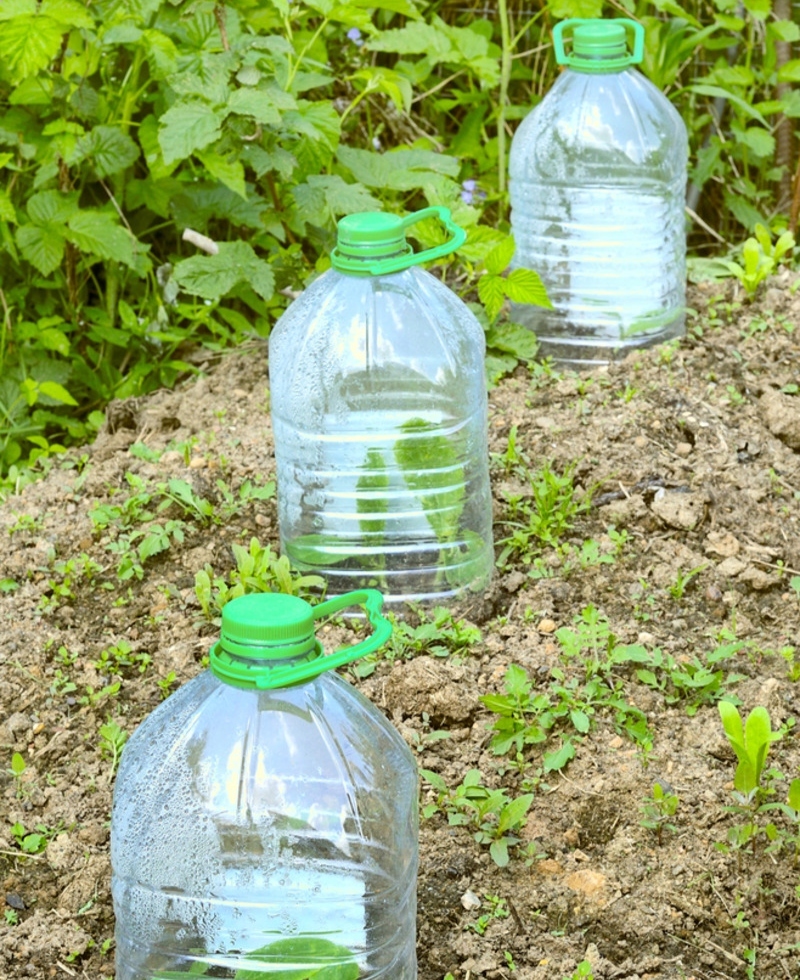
point(258, 123)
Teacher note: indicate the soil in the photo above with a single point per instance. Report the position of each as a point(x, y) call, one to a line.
point(690, 452)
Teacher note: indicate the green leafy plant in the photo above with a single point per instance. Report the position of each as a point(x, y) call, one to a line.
point(493, 816)
point(112, 740)
point(659, 809)
point(17, 771)
point(257, 569)
point(760, 258)
point(34, 841)
point(543, 515)
point(496, 908)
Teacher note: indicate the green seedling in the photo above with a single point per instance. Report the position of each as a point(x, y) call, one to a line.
point(543, 516)
point(659, 809)
point(35, 841)
point(794, 585)
point(750, 741)
point(112, 740)
point(496, 909)
point(513, 460)
point(258, 569)
point(583, 971)
point(791, 810)
point(120, 655)
point(493, 816)
point(17, 771)
point(760, 258)
point(183, 495)
point(165, 684)
point(11, 917)
point(683, 580)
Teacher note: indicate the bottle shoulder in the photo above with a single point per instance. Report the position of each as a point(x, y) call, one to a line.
point(619, 120)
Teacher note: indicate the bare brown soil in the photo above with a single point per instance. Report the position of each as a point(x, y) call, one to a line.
point(692, 450)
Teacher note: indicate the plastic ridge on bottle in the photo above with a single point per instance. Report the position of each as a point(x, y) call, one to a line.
point(267, 832)
point(379, 414)
point(597, 187)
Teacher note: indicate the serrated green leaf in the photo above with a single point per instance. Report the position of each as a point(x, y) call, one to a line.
point(109, 149)
point(513, 339)
point(323, 198)
point(491, 292)
point(228, 172)
point(68, 13)
point(185, 128)
point(97, 233)
point(29, 43)
point(498, 259)
point(760, 9)
point(525, 286)
point(162, 55)
point(42, 245)
point(415, 38)
point(402, 169)
point(759, 141)
point(52, 206)
point(256, 103)
point(55, 340)
point(213, 276)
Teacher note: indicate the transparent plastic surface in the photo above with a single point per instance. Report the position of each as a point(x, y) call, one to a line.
point(378, 402)
point(597, 186)
point(256, 834)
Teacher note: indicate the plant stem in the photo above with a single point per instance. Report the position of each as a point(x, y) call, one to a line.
point(505, 78)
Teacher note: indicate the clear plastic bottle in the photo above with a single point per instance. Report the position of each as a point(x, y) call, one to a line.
point(265, 815)
point(597, 186)
point(379, 412)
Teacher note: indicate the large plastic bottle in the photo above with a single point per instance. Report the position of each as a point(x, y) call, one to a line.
point(265, 815)
point(597, 186)
point(379, 412)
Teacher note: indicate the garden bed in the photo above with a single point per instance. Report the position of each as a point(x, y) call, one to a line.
point(679, 528)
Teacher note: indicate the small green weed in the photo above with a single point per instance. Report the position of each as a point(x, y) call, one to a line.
point(760, 258)
point(683, 580)
point(492, 815)
point(112, 740)
point(496, 908)
point(258, 569)
point(36, 840)
point(543, 516)
point(17, 771)
point(121, 655)
point(583, 971)
point(659, 809)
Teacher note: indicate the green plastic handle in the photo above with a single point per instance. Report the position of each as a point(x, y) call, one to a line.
point(457, 238)
point(372, 602)
point(632, 26)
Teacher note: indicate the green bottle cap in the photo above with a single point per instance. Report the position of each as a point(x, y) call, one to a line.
point(598, 46)
point(267, 639)
point(373, 243)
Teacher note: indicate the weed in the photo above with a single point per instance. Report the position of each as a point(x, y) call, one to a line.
point(112, 740)
point(512, 460)
point(165, 684)
point(659, 809)
point(760, 258)
point(493, 816)
point(17, 771)
point(11, 917)
point(496, 909)
point(36, 840)
point(583, 971)
point(258, 569)
point(683, 580)
point(543, 516)
point(112, 659)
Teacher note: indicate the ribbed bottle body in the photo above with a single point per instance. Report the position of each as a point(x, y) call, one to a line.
point(258, 833)
point(379, 412)
point(597, 187)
